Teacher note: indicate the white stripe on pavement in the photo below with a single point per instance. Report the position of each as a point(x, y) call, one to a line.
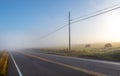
point(20, 74)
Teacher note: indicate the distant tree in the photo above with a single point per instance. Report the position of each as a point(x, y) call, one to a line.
point(87, 45)
point(108, 45)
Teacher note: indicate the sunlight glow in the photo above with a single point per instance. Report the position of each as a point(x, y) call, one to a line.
point(112, 26)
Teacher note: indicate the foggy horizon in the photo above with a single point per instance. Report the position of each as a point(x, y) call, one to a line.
point(23, 23)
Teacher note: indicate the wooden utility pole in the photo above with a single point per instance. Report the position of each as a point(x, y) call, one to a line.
point(69, 33)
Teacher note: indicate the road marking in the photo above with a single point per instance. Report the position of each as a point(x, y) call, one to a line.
point(65, 65)
point(20, 74)
point(101, 61)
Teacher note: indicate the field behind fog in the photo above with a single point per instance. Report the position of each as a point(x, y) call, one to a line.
point(78, 47)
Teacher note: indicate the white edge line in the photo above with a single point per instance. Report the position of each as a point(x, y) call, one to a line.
point(91, 60)
point(20, 74)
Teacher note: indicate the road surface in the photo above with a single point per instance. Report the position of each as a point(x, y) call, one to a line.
point(39, 64)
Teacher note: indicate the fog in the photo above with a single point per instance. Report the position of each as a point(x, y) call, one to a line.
point(24, 26)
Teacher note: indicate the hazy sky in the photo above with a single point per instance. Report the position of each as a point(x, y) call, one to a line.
point(23, 22)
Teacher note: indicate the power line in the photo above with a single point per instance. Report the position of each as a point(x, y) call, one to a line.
point(54, 31)
point(95, 15)
point(103, 12)
point(95, 12)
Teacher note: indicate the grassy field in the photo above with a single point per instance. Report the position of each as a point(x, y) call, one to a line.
point(112, 54)
point(3, 63)
point(96, 51)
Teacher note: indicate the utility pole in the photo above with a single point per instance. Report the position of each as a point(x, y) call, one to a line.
point(69, 32)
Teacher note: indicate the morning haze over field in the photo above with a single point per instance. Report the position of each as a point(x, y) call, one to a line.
point(59, 37)
point(23, 23)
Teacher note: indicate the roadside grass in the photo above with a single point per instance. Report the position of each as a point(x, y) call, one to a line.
point(3, 62)
point(110, 54)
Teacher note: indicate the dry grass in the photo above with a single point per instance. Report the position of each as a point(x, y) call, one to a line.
point(97, 51)
point(3, 63)
point(112, 54)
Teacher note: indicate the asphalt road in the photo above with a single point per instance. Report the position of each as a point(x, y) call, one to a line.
point(39, 64)
point(29, 66)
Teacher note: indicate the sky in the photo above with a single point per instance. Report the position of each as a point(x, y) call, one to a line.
point(23, 22)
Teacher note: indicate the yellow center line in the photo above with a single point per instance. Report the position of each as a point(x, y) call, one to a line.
point(65, 65)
